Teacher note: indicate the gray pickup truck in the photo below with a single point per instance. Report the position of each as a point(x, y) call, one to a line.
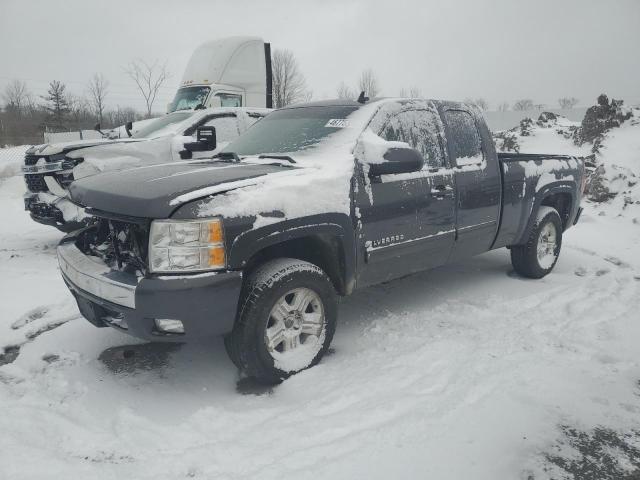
point(312, 203)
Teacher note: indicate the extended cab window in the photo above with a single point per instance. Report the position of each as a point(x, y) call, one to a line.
point(463, 138)
point(420, 129)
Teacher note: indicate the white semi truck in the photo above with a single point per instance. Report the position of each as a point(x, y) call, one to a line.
point(227, 72)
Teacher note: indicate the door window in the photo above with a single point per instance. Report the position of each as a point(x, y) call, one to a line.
point(226, 127)
point(463, 139)
point(229, 100)
point(421, 130)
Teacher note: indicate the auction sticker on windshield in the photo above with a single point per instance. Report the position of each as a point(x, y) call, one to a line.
point(337, 123)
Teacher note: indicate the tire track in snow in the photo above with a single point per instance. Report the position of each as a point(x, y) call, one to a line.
point(32, 324)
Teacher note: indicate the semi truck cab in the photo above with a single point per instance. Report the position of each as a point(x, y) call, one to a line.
point(227, 72)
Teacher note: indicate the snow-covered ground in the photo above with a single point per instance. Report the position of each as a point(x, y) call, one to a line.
point(464, 372)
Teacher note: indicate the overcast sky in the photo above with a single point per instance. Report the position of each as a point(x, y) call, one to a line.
point(501, 50)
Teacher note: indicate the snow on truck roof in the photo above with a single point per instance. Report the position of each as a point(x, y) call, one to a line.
point(376, 101)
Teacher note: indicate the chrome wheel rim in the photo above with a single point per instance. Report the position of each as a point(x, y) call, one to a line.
point(547, 242)
point(296, 322)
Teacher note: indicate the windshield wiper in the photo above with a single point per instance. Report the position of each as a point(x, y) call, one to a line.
point(279, 157)
point(227, 156)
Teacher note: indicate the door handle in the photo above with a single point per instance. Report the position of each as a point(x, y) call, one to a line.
point(442, 191)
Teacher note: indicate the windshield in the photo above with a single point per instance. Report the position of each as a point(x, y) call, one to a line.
point(161, 126)
point(291, 130)
point(188, 98)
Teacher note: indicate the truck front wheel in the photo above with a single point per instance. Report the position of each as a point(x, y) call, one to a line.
point(286, 320)
point(538, 256)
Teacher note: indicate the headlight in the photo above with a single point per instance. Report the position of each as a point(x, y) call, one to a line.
point(186, 245)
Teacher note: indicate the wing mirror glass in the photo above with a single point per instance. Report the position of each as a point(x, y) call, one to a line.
point(397, 160)
point(205, 142)
point(206, 136)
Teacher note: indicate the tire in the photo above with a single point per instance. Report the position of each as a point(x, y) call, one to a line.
point(526, 259)
point(307, 306)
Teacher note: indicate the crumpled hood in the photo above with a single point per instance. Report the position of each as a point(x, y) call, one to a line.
point(151, 192)
point(121, 155)
point(64, 147)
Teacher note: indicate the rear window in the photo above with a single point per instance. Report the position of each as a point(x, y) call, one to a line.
point(463, 138)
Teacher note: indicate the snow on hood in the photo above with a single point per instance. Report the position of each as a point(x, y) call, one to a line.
point(119, 156)
point(54, 148)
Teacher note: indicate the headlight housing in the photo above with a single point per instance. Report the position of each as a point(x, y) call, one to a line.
point(186, 246)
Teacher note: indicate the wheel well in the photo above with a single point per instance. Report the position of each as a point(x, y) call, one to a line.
point(324, 251)
point(562, 203)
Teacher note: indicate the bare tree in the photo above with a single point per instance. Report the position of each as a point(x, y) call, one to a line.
point(149, 77)
point(16, 95)
point(368, 83)
point(480, 102)
point(412, 92)
point(503, 107)
point(98, 89)
point(568, 102)
point(289, 84)
point(523, 104)
point(346, 92)
point(415, 92)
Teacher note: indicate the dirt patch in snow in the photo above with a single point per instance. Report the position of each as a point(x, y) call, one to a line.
point(135, 358)
point(598, 454)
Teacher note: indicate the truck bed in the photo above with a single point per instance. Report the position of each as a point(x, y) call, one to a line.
point(525, 178)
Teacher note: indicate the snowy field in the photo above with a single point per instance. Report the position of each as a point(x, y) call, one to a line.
point(464, 372)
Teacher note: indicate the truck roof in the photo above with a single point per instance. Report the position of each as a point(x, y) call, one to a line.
point(378, 100)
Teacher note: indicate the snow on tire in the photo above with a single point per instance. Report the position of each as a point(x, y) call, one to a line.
point(286, 320)
point(537, 257)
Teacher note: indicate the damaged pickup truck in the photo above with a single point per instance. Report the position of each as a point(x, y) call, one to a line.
point(313, 202)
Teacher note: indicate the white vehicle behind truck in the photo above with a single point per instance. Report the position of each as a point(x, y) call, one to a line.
point(227, 72)
point(49, 170)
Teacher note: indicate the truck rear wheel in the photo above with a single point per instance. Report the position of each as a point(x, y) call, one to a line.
point(538, 256)
point(286, 320)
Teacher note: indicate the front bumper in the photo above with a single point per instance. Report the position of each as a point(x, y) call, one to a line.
point(47, 213)
point(205, 303)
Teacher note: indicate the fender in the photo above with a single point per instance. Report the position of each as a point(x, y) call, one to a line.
point(248, 243)
point(563, 186)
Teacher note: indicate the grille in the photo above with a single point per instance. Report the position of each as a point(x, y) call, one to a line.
point(36, 183)
point(121, 245)
point(31, 159)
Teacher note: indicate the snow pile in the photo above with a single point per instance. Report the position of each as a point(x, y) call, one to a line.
point(11, 160)
point(608, 138)
point(550, 134)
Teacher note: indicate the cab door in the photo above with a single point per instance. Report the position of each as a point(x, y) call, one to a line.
point(478, 182)
point(405, 220)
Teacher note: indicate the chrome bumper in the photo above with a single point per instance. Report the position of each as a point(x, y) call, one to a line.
point(92, 276)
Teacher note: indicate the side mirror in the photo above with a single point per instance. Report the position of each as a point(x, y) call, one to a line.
point(206, 136)
point(397, 160)
point(128, 127)
point(205, 142)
